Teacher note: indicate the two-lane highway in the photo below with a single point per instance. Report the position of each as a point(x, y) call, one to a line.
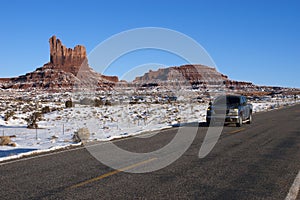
point(256, 161)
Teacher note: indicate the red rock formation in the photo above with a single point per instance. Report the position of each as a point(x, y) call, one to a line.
point(67, 67)
point(111, 78)
point(66, 59)
point(4, 80)
point(184, 73)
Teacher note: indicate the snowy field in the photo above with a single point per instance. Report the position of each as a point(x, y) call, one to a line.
point(56, 128)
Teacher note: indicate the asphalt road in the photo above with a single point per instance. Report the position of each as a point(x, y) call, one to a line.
point(256, 161)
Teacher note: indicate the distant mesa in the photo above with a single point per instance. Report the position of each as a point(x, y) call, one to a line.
point(185, 73)
point(191, 74)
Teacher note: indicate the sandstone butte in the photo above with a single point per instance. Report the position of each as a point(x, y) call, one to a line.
point(62, 72)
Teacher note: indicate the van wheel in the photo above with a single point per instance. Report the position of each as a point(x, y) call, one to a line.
point(208, 123)
point(250, 119)
point(240, 121)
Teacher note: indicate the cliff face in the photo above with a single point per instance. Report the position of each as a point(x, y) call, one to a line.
point(66, 59)
point(184, 73)
point(61, 72)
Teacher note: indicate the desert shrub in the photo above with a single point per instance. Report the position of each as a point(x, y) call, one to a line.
point(46, 109)
point(81, 134)
point(8, 115)
point(98, 102)
point(33, 119)
point(5, 140)
point(69, 104)
point(135, 101)
point(108, 103)
point(86, 101)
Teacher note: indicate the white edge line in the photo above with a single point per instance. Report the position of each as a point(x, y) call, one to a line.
point(294, 190)
point(38, 154)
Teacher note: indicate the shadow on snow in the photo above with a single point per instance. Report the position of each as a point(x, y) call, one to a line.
point(12, 152)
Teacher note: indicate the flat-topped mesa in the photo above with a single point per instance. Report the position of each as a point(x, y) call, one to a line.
point(67, 59)
point(186, 73)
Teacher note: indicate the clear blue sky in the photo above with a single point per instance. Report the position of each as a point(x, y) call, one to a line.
point(254, 40)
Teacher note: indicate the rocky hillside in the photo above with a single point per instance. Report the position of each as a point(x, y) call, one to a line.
point(67, 67)
point(190, 73)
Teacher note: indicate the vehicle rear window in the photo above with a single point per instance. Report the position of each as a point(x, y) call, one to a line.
point(233, 100)
point(230, 100)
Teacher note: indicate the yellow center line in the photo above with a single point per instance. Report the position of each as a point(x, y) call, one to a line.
point(111, 173)
point(236, 131)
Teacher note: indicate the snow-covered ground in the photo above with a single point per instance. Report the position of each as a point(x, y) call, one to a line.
point(56, 128)
point(266, 105)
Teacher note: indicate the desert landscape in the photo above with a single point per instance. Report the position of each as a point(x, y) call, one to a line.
point(49, 108)
point(150, 100)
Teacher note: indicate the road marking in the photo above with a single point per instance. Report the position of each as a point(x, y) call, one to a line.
point(293, 192)
point(111, 173)
point(236, 131)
